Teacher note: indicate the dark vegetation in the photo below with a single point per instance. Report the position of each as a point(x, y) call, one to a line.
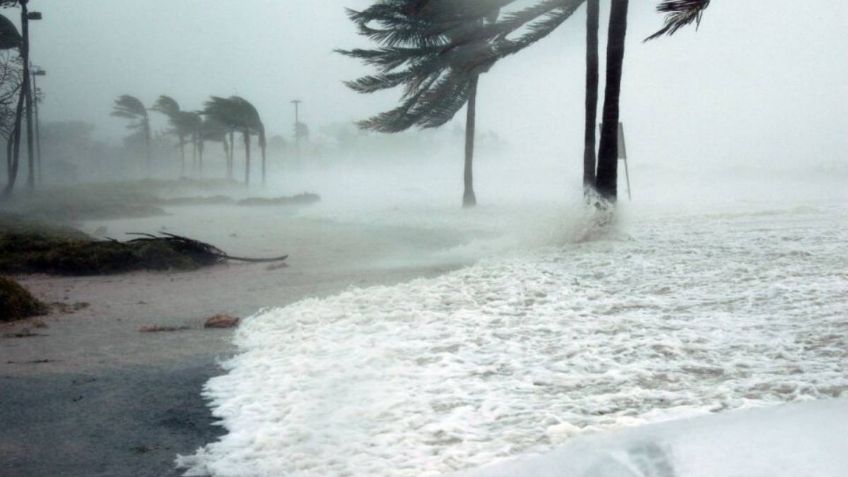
point(31, 247)
point(16, 303)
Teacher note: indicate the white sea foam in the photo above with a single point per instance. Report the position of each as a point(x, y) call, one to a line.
point(672, 316)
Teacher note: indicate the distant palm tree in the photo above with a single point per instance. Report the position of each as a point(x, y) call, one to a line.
point(236, 114)
point(130, 107)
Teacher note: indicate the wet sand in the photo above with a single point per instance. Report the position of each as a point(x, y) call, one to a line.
point(92, 396)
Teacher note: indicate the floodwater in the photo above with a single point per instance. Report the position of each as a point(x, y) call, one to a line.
point(552, 332)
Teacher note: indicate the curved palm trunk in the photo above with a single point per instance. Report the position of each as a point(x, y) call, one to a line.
point(246, 157)
point(469, 199)
point(607, 179)
point(589, 155)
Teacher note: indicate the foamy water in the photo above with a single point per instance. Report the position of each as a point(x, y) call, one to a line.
point(664, 317)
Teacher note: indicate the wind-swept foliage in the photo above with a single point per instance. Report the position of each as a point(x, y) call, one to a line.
point(236, 114)
point(10, 37)
point(435, 49)
point(678, 14)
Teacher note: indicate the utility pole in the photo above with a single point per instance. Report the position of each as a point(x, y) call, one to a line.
point(35, 73)
point(26, 16)
point(296, 104)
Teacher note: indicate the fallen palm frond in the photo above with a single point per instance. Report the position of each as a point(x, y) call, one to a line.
point(30, 251)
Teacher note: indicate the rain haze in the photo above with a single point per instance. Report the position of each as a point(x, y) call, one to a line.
point(210, 266)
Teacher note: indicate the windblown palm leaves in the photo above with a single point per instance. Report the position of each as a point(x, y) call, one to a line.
point(434, 49)
point(678, 14)
point(131, 108)
point(10, 38)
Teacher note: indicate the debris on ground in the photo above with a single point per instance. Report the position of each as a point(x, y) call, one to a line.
point(222, 322)
point(162, 329)
point(17, 303)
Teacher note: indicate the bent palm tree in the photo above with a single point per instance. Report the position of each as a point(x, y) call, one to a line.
point(436, 41)
point(130, 107)
point(236, 114)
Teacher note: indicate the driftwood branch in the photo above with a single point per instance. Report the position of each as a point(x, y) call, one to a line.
point(197, 247)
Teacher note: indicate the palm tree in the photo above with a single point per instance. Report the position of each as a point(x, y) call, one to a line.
point(434, 41)
point(236, 114)
point(130, 107)
point(589, 155)
point(607, 177)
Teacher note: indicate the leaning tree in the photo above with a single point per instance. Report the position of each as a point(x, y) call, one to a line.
point(131, 108)
point(236, 114)
point(411, 36)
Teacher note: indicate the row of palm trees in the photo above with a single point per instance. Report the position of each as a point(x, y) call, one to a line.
point(221, 120)
point(437, 49)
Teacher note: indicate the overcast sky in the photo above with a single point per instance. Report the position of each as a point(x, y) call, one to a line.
point(762, 81)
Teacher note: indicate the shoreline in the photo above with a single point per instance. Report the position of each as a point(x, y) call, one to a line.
point(93, 396)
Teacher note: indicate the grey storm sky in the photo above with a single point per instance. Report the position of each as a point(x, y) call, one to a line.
point(763, 80)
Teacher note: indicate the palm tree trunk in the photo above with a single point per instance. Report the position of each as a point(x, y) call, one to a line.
point(193, 154)
point(226, 153)
point(147, 141)
point(182, 156)
point(589, 155)
point(200, 146)
point(232, 156)
point(246, 157)
point(469, 199)
point(607, 180)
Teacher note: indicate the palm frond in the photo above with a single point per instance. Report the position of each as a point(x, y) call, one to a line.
point(678, 14)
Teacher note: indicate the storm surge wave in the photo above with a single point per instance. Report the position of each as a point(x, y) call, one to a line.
point(682, 315)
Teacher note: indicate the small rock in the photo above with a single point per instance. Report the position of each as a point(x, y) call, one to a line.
point(221, 321)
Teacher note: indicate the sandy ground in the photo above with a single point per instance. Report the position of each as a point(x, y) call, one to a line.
point(92, 396)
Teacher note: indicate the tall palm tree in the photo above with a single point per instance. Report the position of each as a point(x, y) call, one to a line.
point(592, 77)
point(607, 176)
point(131, 108)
